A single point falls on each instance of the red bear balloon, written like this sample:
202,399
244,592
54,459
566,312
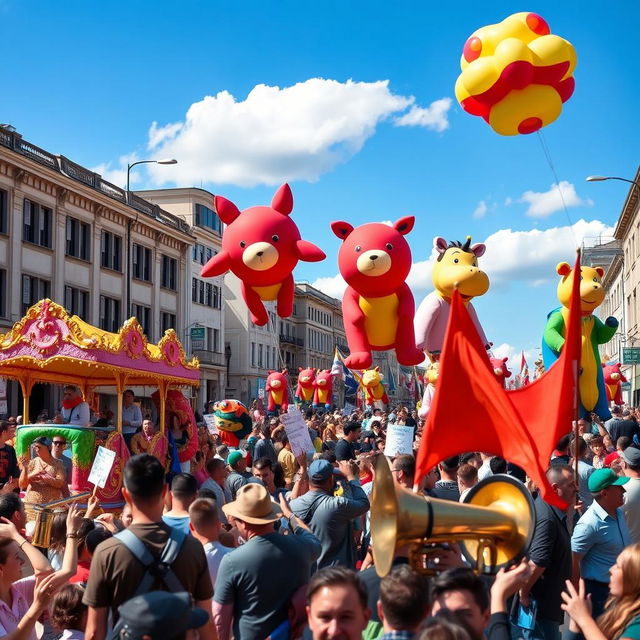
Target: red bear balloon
277,390
377,306
262,246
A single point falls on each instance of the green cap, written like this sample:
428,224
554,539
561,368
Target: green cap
233,457
602,478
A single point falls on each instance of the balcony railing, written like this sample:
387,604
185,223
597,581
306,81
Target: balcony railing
209,357
291,340
14,141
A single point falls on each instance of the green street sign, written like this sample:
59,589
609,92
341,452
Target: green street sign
197,333
631,355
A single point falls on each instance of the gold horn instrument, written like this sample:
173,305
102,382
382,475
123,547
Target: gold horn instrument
494,525
45,514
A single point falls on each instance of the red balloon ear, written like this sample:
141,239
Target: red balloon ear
283,200
341,229
226,210
404,225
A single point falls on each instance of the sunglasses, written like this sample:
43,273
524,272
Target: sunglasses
58,442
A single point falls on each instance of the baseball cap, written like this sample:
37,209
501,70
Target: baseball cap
614,455
631,455
158,614
234,456
321,470
602,478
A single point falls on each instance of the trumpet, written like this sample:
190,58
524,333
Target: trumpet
494,525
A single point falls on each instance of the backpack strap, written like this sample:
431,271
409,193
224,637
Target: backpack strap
155,568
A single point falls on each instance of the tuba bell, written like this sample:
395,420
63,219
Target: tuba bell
494,525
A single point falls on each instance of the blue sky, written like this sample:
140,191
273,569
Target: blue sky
87,80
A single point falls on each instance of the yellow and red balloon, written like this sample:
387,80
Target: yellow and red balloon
516,74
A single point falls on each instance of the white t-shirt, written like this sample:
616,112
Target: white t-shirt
485,470
631,508
215,551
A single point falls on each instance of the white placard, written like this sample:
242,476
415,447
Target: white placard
297,431
102,467
399,440
348,409
210,421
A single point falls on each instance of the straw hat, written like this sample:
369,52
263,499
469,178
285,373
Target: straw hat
254,505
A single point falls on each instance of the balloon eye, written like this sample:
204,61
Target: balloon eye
358,249
243,244
275,238
455,261
595,279
389,246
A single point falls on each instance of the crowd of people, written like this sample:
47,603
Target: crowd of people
266,542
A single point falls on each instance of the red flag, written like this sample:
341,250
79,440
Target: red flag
549,403
467,380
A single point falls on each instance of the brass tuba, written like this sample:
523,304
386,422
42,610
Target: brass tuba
494,525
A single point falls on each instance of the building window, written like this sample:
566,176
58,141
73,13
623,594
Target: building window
208,218
167,321
37,224
33,289
143,315
78,239
194,289
202,254
260,355
215,346
109,314
217,297
3,293
169,273
76,302
4,211
110,251
253,354
142,258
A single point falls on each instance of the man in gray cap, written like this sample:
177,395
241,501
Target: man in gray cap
159,615
330,517
630,459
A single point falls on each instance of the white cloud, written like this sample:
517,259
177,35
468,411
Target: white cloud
276,134
480,211
434,117
531,256
528,256
333,286
543,204
514,354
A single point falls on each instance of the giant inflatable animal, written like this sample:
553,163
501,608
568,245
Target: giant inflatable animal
277,391
499,366
377,306
593,395
305,388
233,421
323,389
430,379
373,387
262,246
455,266
613,379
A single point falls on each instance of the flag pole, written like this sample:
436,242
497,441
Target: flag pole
576,432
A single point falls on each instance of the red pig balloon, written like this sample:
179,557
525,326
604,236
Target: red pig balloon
262,245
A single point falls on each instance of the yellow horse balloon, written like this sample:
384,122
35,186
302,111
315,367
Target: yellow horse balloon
516,74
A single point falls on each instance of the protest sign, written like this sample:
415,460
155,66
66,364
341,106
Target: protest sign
297,431
102,467
399,440
210,421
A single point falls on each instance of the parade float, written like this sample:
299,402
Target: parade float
50,346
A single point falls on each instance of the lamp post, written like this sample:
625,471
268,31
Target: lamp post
637,186
132,221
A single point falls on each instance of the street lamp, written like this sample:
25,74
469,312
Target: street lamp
133,164
602,178
132,221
